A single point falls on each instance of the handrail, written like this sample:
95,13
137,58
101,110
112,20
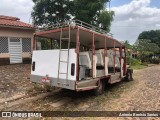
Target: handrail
78,23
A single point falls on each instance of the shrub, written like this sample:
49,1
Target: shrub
133,61
154,60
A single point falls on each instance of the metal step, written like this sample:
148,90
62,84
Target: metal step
115,81
64,50
62,73
64,61
86,88
65,38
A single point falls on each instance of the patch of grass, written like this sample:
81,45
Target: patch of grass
136,67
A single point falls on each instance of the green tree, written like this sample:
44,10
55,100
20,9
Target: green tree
94,12
128,52
127,44
145,48
153,35
48,12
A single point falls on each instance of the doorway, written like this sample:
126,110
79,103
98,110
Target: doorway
15,50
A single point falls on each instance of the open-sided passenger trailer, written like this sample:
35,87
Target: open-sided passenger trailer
87,58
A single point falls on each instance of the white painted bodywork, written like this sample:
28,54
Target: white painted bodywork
47,63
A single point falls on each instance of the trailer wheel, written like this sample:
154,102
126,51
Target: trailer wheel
100,89
129,75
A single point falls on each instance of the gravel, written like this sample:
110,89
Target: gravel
13,80
142,94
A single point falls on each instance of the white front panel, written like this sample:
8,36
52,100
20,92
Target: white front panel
47,63
15,50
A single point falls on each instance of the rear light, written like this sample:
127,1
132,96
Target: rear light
33,66
72,69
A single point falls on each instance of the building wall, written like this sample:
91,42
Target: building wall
16,32
19,33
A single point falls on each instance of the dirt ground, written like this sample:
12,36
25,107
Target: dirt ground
142,94
13,80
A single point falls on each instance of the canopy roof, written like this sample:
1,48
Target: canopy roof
85,36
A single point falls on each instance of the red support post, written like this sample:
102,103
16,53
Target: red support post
120,57
93,52
125,61
77,52
114,58
105,51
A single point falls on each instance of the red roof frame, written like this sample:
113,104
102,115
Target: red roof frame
76,27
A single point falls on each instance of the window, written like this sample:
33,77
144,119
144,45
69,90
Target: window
3,44
26,44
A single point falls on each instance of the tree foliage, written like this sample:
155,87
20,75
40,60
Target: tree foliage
47,12
145,48
153,35
93,12
127,44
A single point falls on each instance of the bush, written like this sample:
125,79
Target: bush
154,60
133,61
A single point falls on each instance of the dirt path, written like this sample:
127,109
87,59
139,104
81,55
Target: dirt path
13,80
142,94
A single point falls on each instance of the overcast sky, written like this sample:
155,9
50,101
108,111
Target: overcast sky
134,16
131,16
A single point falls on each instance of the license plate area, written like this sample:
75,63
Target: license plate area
46,80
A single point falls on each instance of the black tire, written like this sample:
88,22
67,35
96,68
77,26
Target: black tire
129,75
100,89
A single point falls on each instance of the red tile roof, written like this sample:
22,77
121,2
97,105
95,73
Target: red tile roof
13,22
